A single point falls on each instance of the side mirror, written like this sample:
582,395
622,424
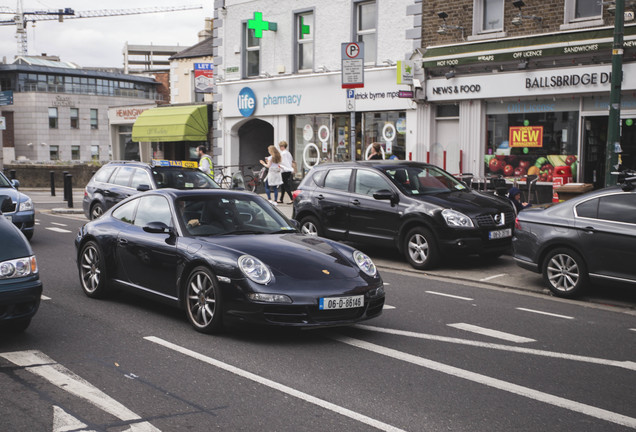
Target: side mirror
295,223
158,228
384,194
143,187
15,183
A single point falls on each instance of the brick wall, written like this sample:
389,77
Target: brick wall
460,13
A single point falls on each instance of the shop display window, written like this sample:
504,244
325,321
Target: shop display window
387,128
542,144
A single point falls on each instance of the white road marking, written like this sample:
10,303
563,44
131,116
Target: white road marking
492,333
492,277
40,364
274,385
58,224
387,307
43,297
449,295
634,329
60,230
545,313
64,422
630,365
493,382
37,223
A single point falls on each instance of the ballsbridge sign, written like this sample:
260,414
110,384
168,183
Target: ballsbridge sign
580,42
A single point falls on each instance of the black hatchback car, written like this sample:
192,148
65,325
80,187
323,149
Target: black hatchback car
20,286
420,209
118,180
588,238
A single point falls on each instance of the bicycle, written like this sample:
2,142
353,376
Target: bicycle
222,179
252,181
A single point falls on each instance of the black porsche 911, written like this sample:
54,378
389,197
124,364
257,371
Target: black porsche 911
226,256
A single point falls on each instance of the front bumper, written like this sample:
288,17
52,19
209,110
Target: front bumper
304,311
19,298
25,221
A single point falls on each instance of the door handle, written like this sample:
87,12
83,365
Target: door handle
589,230
320,197
122,241
355,202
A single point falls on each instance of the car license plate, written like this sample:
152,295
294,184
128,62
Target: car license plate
492,235
9,217
341,302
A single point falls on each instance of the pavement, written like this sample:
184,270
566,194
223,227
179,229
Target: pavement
501,273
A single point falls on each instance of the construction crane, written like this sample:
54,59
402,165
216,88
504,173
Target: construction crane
21,17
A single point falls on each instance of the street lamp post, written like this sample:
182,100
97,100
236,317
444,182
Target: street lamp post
614,126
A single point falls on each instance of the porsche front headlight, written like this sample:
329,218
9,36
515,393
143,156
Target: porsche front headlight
255,269
364,263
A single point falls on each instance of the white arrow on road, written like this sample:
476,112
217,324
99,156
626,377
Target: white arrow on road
42,365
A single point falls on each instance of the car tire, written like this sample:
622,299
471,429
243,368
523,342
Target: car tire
309,225
420,248
203,301
565,273
92,270
97,210
28,234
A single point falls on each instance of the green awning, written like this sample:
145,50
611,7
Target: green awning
174,123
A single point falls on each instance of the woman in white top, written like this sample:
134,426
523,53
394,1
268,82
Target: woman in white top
274,175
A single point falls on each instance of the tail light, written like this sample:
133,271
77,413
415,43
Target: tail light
295,194
517,223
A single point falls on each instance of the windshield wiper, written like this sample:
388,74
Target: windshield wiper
285,231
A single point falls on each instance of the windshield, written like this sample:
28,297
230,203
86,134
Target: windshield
4,182
423,180
182,178
230,214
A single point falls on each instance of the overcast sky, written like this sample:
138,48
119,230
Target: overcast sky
100,41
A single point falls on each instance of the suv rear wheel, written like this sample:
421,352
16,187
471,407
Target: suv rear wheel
420,248
96,211
310,225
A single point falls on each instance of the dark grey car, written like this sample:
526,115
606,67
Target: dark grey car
588,238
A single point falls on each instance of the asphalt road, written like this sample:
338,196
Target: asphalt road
445,355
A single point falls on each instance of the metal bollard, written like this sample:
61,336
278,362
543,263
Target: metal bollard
68,181
52,183
64,174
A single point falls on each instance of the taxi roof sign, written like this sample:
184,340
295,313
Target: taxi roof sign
175,163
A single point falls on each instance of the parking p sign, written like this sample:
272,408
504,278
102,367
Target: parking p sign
352,55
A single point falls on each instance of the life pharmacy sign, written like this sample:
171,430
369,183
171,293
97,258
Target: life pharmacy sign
524,83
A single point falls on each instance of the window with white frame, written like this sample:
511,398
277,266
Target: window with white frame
95,152
490,15
583,13
365,26
53,118
75,152
54,152
305,41
251,53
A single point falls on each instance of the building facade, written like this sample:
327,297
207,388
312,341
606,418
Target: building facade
516,88
60,111
279,76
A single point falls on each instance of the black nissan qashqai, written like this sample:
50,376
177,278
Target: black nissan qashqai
420,209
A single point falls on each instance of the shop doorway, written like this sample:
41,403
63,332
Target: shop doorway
445,150
254,138
593,152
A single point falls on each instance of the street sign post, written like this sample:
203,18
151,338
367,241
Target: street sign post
352,55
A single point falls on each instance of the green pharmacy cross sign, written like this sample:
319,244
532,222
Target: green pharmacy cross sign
258,25
304,29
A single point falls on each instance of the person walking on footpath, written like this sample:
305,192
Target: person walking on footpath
205,161
274,173
287,166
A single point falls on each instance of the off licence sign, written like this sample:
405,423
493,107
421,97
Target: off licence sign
525,136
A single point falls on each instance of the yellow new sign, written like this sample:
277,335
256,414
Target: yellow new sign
525,136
